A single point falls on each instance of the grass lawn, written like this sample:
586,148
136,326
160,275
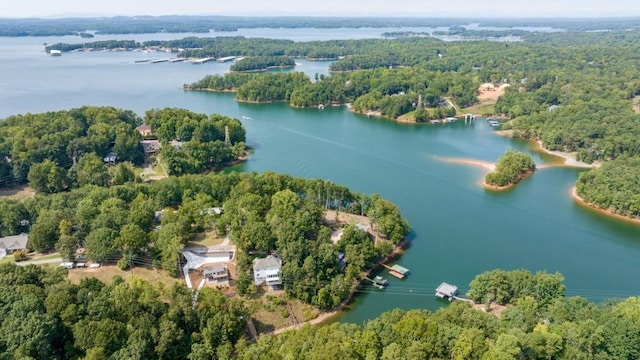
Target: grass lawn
106,273
7,260
19,192
482,109
207,238
269,311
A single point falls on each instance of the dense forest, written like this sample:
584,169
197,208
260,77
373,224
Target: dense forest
57,151
201,141
393,92
613,186
51,318
511,167
262,213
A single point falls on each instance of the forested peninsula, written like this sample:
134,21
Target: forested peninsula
153,225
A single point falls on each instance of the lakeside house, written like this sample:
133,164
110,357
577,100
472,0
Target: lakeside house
267,271
10,244
150,147
216,274
110,158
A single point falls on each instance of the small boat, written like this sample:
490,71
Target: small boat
379,281
320,106
379,286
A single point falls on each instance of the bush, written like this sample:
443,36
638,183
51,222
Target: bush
284,313
123,263
20,255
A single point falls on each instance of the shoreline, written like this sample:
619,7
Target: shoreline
584,203
568,159
329,315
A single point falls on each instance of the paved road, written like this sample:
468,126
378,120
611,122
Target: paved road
40,262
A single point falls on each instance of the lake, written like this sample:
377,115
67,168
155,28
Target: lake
459,229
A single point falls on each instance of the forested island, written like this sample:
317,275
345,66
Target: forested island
262,63
52,318
510,169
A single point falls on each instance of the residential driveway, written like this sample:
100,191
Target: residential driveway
40,262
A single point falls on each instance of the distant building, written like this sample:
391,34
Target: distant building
144,130
110,158
267,271
151,146
14,243
55,52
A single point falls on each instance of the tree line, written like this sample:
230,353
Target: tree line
260,63
48,317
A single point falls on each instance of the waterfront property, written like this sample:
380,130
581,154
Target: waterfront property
217,274
267,271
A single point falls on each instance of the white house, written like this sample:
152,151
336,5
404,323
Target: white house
267,270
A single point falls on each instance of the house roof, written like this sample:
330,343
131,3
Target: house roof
266,263
142,128
14,242
447,289
214,269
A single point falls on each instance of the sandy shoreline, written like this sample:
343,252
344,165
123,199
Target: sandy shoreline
607,212
471,162
568,159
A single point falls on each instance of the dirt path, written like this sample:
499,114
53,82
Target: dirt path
321,318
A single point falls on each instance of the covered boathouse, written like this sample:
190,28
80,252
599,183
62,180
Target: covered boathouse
447,291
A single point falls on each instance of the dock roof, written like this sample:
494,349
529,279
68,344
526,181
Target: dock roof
400,269
446,289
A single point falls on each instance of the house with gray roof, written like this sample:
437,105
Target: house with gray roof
267,271
12,243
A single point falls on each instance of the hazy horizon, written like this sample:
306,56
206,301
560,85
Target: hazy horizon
327,8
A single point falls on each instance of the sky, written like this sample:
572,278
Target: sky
408,8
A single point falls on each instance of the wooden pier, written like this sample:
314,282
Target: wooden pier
396,270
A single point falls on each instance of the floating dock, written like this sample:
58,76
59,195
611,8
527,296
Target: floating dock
225,59
396,270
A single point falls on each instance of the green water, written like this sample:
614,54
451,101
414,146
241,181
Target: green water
459,229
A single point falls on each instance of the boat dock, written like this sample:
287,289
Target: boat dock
378,282
202,61
396,270
446,291
225,59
